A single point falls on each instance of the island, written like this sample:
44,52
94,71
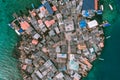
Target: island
60,39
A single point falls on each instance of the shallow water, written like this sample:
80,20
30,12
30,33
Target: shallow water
8,38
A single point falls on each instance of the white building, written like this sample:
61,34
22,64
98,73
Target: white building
92,24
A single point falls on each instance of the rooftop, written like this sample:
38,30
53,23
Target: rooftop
88,5
59,41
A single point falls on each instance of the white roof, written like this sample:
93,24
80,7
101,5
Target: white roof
59,15
60,75
41,15
48,63
57,49
28,61
92,24
72,57
91,50
39,74
57,30
62,55
51,33
77,76
44,29
36,36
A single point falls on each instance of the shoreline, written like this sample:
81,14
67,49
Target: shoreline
102,67
47,52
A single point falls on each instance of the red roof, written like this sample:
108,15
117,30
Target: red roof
34,41
52,22
49,23
24,67
96,4
54,8
24,25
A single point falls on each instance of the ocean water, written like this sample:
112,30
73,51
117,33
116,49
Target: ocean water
108,69
8,38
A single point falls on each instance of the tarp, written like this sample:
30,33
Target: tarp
83,24
20,30
106,25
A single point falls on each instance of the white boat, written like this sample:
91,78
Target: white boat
108,37
110,6
101,7
101,59
17,32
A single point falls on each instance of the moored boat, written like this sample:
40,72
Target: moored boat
17,32
101,7
101,59
108,37
110,6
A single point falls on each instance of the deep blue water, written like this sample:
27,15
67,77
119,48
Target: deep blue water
109,69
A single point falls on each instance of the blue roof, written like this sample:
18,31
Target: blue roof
99,12
20,30
88,5
83,24
48,7
106,25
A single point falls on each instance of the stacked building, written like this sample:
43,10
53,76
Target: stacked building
60,40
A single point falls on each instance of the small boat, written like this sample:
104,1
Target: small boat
17,32
101,7
106,24
10,26
32,5
108,37
101,59
110,6
99,12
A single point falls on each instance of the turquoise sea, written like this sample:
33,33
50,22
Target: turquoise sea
108,69
8,37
